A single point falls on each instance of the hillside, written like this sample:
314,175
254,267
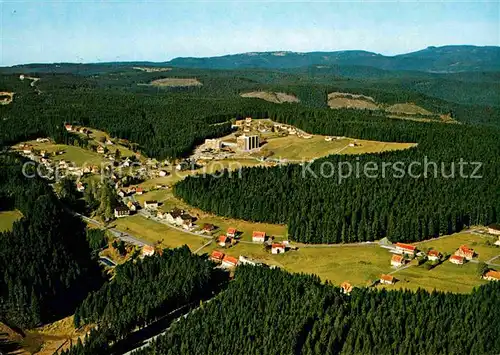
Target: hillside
447,59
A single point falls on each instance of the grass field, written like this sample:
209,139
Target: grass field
445,277
7,219
295,148
450,244
154,232
175,82
276,97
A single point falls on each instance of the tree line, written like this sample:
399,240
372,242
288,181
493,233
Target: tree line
272,312
318,207
46,267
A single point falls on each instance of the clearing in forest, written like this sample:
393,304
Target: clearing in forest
346,100
7,219
275,97
6,97
176,82
152,69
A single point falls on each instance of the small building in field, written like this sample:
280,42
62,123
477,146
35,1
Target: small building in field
139,191
465,251
456,259
231,232
498,242
151,205
208,228
217,256
224,241
68,127
131,190
131,206
100,149
345,287
148,250
258,237
492,275
162,173
404,248
433,255
494,229
397,260
121,211
387,279
185,221
277,248
229,262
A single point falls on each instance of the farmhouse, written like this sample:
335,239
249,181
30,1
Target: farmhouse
259,237
397,260
231,232
387,279
345,288
494,229
224,241
139,190
208,227
173,215
465,251
162,173
131,190
148,250
229,262
68,127
151,205
403,248
277,248
100,149
121,211
433,255
492,275
131,206
217,256
185,221
456,259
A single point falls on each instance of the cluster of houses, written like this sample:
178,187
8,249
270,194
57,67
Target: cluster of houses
77,129
230,262
463,253
177,217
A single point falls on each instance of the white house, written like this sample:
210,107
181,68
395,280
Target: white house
151,205
277,248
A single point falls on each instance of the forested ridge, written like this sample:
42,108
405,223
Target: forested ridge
319,209
169,122
272,312
45,263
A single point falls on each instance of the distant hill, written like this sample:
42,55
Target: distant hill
447,59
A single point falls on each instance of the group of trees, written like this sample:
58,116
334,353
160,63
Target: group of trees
319,206
46,267
141,292
272,312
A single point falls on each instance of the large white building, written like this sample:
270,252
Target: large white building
247,142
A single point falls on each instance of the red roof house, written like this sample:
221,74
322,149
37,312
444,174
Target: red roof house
397,260
229,261
492,275
457,259
217,256
386,279
224,240
465,252
231,232
259,237
405,248
433,255
345,287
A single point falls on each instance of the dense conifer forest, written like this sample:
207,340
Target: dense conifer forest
143,291
45,264
324,208
272,312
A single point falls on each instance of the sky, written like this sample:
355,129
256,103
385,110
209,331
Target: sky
40,31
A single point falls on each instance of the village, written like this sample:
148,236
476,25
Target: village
143,188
